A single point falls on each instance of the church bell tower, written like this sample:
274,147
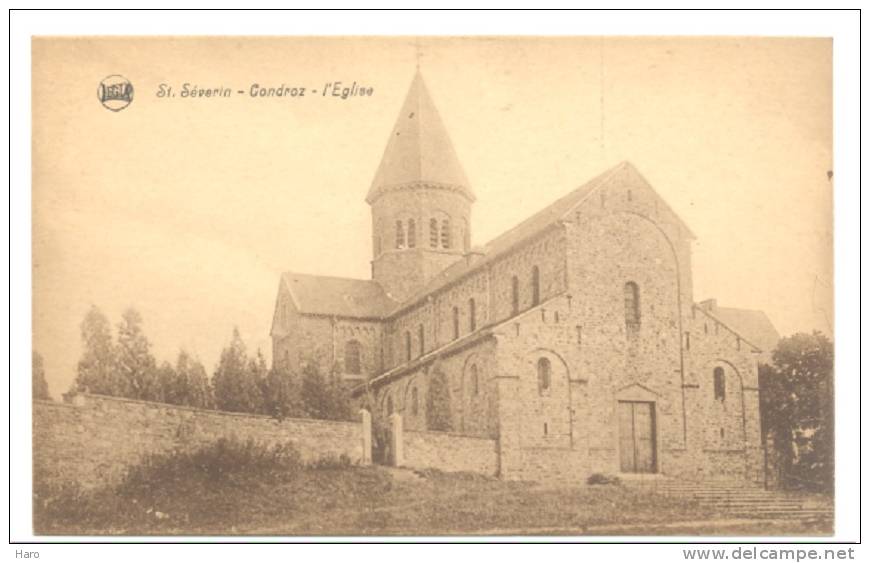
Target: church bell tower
420,200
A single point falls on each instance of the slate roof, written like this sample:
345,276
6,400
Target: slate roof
419,150
366,299
344,297
519,233
751,324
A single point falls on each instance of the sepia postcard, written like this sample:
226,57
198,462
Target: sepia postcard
432,286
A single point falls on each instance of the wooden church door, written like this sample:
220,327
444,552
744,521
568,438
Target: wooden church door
637,437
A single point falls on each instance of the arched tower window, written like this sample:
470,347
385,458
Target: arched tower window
472,315
536,286
352,357
407,346
412,233
475,384
455,323
433,233
414,401
544,370
421,339
632,306
719,384
389,405
400,235
515,295
445,233
466,235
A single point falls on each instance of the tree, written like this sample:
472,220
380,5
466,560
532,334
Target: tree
380,428
191,385
327,400
167,384
186,383
796,395
257,375
136,366
40,385
234,387
340,406
438,406
96,372
282,394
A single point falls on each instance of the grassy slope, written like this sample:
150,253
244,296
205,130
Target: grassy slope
367,501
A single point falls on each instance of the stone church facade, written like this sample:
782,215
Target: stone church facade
573,339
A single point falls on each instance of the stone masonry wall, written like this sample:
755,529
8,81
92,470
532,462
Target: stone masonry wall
450,452
403,271
369,336
302,339
624,234
730,438
472,411
547,252
94,441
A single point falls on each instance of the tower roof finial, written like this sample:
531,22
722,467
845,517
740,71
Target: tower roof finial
417,51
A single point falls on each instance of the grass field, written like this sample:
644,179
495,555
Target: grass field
336,499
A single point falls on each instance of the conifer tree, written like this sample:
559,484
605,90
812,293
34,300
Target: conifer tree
322,399
234,383
282,394
193,388
256,377
438,397
96,372
167,384
136,366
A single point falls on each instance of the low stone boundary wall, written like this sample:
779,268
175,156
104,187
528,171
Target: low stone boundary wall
94,439
446,451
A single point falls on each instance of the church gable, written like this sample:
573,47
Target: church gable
623,188
285,312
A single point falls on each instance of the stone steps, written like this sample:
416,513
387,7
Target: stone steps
786,514
739,499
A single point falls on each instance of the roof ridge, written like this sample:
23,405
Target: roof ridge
461,268
728,326
601,177
291,272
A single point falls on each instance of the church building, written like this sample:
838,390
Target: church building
572,339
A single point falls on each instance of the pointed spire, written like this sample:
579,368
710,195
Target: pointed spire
419,150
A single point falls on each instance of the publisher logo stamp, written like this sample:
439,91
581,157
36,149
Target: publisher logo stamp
115,92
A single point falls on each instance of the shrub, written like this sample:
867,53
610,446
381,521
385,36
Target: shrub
330,461
225,459
434,473
602,479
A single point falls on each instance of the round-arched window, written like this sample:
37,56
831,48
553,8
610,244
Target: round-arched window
719,384
544,372
352,357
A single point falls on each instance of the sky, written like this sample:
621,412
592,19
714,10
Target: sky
188,209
